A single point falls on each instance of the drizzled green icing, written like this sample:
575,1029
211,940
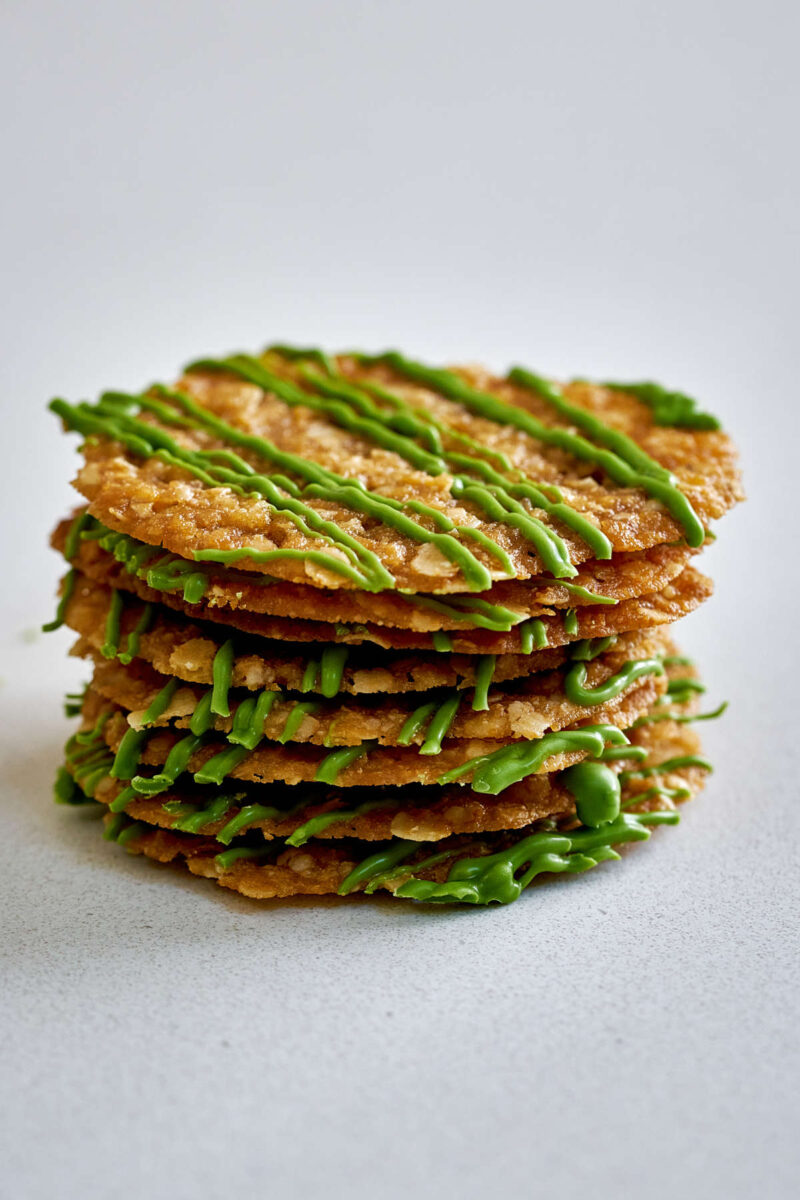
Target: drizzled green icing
316,825
623,459
327,671
66,595
494,488
294,720
442,642
492,773
615,685
571,622
591,648
435,718
681,718
503,876
668,408
110,647
222,675
160,703
670,764
141,627
596,791
328,770
532,636
484,673
249,718
472,609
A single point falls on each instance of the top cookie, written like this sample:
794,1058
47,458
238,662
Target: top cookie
383,474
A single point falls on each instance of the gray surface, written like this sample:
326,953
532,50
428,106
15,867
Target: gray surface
599,188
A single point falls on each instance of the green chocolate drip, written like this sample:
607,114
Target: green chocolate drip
316,825
476,612
670,764
294,720
571,622
110,647
244,818
176,763
615,685
202,719
658,793
352,405
222,674
668,408
383,861
532,636
416,722
188,818
440,724
229,858
161,702
442,642
127,756
332,665
221,765
330,767
596,791
681,718
249,718
141,627
591,648
484,674
66,595
502,877
493,773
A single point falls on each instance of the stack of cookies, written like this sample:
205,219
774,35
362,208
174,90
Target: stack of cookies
358,623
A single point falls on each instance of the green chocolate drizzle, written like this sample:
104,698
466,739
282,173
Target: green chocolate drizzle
668,408
493,773
615,685
484,673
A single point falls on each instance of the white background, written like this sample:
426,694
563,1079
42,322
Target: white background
607,189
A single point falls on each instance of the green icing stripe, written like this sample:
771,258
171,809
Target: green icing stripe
484,673
161,702
221,765
294,720
596,791
670,764
330,767
249,718
442,642
141,627
316,825
440,724
493,773
591,648
571,622
681,718
668,408
412,421
222,674
502,877
615,685
623,459
532,636
66,595
110,647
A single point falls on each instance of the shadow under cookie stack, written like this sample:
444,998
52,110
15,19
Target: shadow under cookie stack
359,624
